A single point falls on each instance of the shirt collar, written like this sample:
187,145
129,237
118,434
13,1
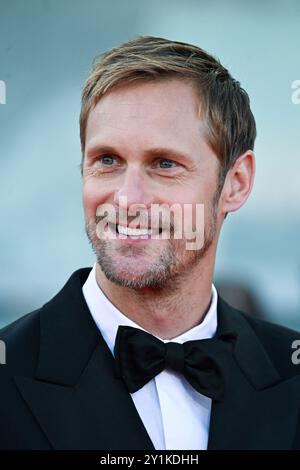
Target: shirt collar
108,317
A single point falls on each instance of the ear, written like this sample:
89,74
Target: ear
238,183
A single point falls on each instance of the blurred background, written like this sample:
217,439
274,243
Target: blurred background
46,50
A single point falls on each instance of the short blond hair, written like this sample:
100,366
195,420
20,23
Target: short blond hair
225,106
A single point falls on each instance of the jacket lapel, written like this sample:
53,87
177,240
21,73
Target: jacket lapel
75,396
260,408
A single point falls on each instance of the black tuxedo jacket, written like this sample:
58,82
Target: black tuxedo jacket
59,390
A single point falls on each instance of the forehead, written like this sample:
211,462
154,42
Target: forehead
147,112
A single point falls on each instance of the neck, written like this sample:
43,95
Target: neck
167,312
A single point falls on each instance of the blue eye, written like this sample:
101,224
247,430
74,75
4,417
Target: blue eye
164,163
107,160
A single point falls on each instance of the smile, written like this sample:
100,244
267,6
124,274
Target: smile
136,232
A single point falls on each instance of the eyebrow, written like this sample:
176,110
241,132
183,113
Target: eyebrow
153,152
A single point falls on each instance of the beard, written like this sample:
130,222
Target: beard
159,264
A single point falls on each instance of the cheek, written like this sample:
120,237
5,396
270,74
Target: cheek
198,212
92,196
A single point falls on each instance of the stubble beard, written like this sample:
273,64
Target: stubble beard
171,264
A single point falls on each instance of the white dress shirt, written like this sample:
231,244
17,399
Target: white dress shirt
174,414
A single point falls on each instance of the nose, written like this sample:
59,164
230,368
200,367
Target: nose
134,191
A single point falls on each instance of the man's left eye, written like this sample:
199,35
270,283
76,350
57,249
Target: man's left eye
165,163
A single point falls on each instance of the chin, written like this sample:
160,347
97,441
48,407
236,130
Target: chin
136,278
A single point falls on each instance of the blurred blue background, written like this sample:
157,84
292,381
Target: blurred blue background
46,50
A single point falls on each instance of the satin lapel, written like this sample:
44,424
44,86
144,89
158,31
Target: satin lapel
260,409
98,413
76,397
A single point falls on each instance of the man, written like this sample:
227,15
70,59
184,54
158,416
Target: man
140,352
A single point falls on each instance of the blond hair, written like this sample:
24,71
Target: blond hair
225,107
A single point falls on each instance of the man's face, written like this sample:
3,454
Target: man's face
145,145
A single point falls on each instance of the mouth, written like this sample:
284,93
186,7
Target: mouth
135,232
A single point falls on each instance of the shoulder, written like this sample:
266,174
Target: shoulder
281,344
22,338
21,342
270,330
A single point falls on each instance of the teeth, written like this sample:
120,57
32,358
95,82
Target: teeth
136,231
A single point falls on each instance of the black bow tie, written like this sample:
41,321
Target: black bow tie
139,357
